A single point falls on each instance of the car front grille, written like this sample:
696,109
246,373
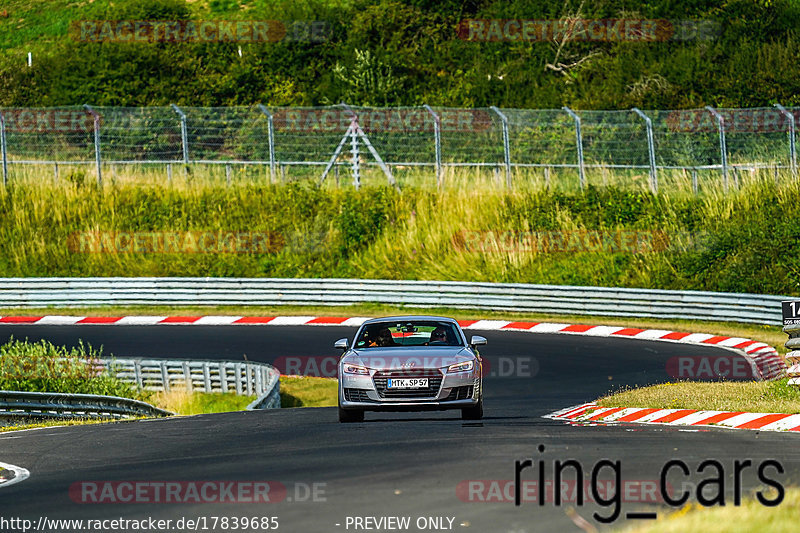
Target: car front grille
460,393
381,379
356,395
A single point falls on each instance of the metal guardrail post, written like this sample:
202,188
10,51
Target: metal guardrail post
506,145
137,372
792,152
237,373
437,143
579,143
271,141
184,136
3,147
723,147
206,377
165,376
223,377
651,149
97,158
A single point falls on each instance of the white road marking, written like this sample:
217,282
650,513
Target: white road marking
20,474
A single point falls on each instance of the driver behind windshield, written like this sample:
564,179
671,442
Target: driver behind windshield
383,339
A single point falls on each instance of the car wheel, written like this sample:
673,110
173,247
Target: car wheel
350,415
473,413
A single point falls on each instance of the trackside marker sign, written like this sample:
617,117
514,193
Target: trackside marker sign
791,312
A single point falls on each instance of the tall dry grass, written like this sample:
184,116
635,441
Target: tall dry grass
750,241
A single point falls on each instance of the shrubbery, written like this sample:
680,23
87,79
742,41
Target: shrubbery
743,241
44,367
390,52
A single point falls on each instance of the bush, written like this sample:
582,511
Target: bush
44,367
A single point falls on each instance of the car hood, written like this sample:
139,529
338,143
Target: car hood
409,358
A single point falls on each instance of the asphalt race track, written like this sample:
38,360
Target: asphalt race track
416,465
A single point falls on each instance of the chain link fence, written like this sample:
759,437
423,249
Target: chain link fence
645,148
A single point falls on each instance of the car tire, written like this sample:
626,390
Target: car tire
350,415
473,413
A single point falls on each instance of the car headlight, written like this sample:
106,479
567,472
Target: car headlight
356,369
466,366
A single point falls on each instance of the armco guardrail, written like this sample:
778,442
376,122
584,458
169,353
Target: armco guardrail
37,405
244,378
551,299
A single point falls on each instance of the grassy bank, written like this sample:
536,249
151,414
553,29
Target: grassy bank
755,397
750,516
299,391
612,236
182,402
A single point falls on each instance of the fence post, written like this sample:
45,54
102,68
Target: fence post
271,141
579,143
506,145
184,137
792,153
437,143
3,147
355,164
97,158
723,148
651,149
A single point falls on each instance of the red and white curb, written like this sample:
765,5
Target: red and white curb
767,360
592,413
19,474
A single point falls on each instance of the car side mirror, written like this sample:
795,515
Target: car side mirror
477,340
342,344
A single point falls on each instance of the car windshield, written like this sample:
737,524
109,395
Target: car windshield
408,333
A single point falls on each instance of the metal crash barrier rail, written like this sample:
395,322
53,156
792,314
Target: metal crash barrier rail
528,298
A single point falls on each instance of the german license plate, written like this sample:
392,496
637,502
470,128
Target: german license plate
408,383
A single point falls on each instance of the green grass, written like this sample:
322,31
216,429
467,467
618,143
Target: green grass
747,243
59,423
755,397
308,392
750,516
182,402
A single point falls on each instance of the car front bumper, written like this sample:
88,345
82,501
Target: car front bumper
456,391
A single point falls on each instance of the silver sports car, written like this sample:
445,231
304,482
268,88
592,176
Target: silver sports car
410,363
